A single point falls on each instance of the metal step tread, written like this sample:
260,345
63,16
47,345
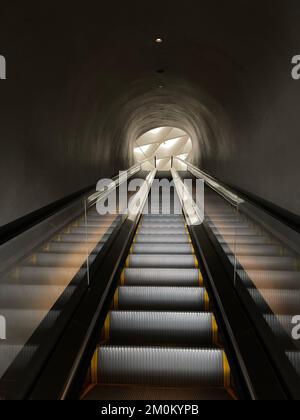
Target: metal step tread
163,328
162,299
146,393
162,261
162,366
191,277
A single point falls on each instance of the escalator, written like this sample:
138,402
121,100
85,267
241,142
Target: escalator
266,267
43,276
160,340
29,292
176,310
263,260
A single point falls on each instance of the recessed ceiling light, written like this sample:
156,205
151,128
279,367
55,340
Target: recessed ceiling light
159,41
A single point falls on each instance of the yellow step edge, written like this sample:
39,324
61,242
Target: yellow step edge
116,299
94,367
107,328
227,373
196,262
201,282
215,331
188,234
127,264
46,247
33,259
206,301
122,279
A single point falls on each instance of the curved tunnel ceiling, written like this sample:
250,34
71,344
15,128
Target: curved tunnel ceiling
84,82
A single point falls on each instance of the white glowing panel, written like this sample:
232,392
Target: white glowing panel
163,143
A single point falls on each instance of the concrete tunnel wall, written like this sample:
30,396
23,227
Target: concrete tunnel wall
82,84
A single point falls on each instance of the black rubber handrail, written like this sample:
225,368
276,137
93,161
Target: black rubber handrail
21,225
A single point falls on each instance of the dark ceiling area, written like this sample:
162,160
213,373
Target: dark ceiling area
84,80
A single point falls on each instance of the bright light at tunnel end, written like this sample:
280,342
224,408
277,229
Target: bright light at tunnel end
163,144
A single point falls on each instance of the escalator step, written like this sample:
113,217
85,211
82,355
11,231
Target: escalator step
32,297
162,261
254,250
233,231
107,392
214,213
270,279
21,324
45,276
147,225
163,217
69,248
163,328
161,225
163,231
163,277
280,302
162,249
73,238
267,263
225,219
230,225
162,366
94,225
58,260
173,239
98,221
9,352
108,217
90,231
282,326
242,240
162,299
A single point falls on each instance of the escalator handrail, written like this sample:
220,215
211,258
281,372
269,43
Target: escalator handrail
226,193
286,219
19,226
116,181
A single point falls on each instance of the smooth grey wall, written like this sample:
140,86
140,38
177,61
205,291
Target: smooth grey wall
82,83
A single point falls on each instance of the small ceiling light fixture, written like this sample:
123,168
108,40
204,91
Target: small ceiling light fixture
159,41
